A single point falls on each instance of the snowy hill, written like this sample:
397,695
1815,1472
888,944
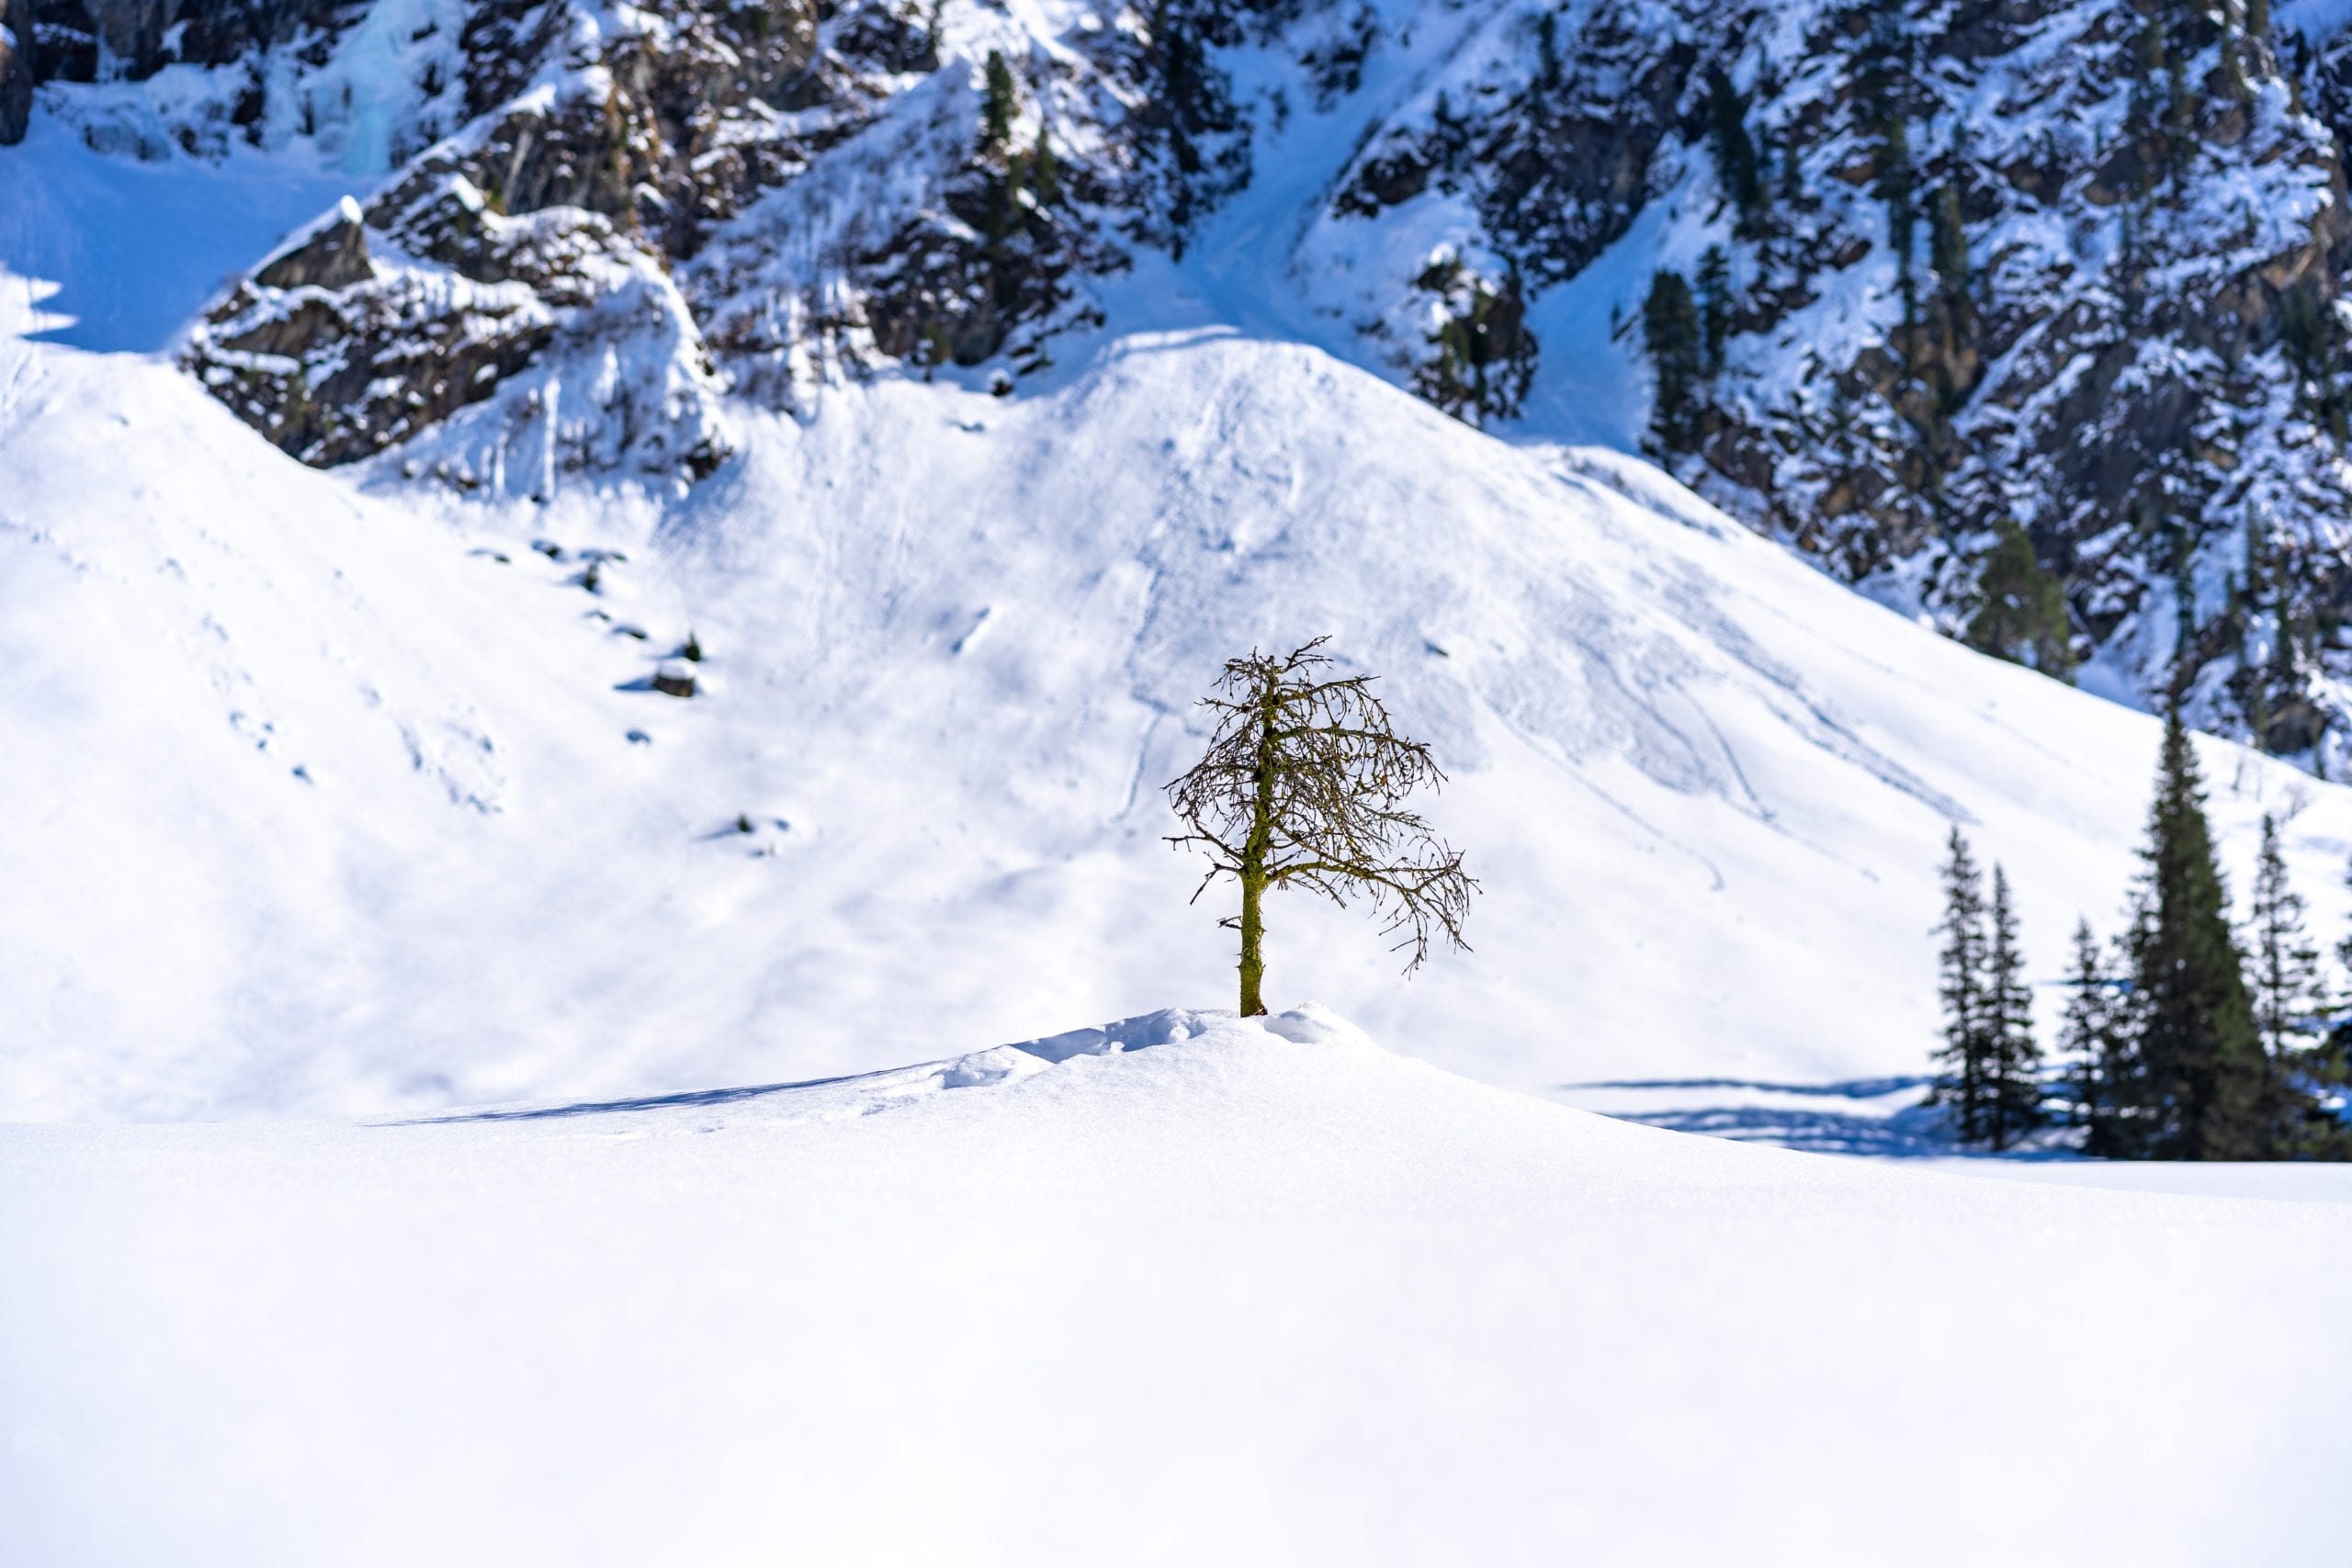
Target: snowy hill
329,803
1263,1295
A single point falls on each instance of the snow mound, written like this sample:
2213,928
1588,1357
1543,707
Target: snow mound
1312,1024
862,1094
1377,1313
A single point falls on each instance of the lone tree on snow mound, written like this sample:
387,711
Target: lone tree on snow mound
1306,781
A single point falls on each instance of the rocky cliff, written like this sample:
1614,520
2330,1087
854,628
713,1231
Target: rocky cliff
2023,315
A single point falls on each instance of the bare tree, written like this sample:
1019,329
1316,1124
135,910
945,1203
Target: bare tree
1305,782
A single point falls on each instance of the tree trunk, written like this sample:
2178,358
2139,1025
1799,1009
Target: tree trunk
1254,852
1253,926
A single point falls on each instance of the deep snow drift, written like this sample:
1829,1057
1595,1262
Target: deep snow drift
1238,1298
322,805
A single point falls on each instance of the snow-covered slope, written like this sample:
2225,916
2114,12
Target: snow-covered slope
1263,1295
319,803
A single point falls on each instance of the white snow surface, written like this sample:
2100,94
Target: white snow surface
1259,1293
323,800
318,805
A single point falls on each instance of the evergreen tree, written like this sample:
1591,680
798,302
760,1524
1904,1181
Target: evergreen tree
1547,50
997,106
2021,608
2338,1053
2180,123
1188,120
2263,598
2202,1089
1670,327
2089,1039
2130,1129
1947,255
2013,1062
2289,993
1045,172
1964,1080
1714,308
1486,357
1898,187
2309,333
1735,149
2140,111
2180,557
2290,1006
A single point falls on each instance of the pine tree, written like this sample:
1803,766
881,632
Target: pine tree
2021,612
2088,1040
997,106
1045,172
1964,1059
2289,993
2335,1064
2291,1005
2013,1062
1898,187
2203,1088
2180,123
1947,255
2309,333
1670,326
1735,149
1714,308
2130,1129
2260,601
1486,357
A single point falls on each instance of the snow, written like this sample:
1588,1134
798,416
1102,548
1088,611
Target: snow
332,810
1236,1298
330,797
116,254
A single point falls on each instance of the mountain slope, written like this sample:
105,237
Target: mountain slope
330,806
1263,1294
2026,317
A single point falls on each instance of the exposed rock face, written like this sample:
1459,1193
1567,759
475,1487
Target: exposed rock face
522,310
2072,265
681,196
2034,301
84,39
331,255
